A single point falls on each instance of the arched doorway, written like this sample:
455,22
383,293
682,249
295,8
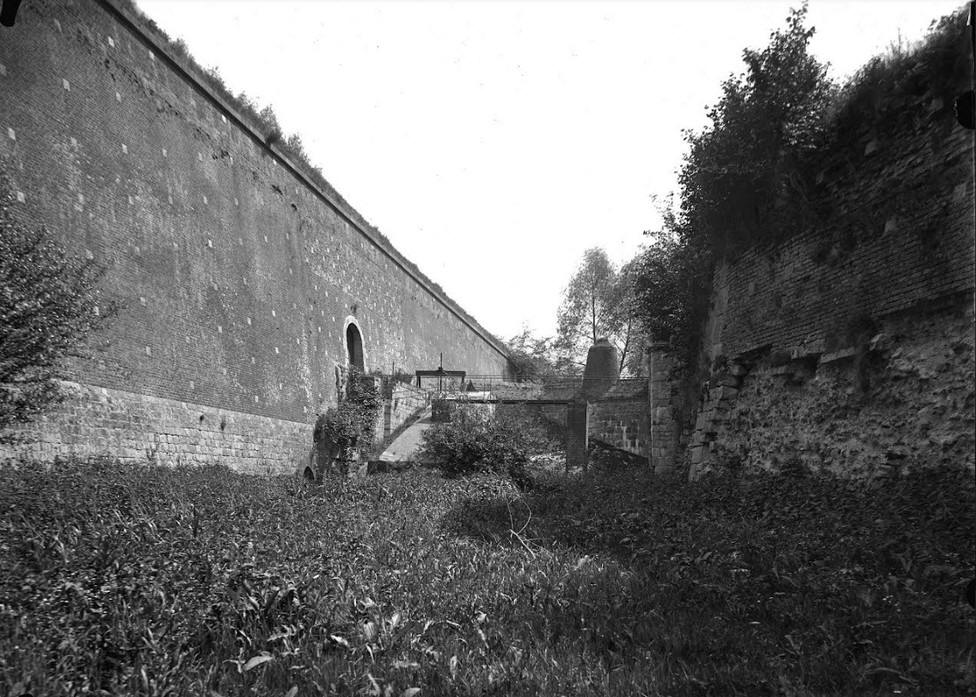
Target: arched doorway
354,347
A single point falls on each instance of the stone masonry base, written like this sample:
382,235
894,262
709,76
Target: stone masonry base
95,421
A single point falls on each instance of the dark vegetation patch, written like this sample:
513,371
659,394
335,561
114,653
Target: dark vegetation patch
141,580
503,442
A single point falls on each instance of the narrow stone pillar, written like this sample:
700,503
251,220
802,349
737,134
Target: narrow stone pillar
600,374
660,394
602,370
576,434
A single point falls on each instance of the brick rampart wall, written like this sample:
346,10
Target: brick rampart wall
900,237
238,276
849,347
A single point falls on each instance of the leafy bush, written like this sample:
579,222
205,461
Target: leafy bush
671,285
536,435
364,402
337,431
461,445
744,180
50,304
744,175
476,442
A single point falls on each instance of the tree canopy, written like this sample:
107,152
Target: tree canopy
742,176
742,181
598,303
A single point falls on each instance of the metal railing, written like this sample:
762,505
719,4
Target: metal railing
496,388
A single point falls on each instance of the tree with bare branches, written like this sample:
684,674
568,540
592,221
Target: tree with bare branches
599,302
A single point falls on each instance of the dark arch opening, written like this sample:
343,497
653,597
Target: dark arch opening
354,345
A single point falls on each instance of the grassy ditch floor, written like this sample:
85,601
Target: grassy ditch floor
129,580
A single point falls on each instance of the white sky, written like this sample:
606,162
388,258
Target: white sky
493,142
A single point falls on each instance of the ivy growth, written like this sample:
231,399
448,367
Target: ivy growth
347,430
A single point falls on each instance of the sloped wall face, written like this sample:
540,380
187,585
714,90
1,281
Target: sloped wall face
237,279
850,347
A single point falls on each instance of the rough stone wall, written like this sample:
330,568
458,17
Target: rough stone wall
662,390
850,346
902,401
237,275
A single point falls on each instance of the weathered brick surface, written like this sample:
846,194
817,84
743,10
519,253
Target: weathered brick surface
237,275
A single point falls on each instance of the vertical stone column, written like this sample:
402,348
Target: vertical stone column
660,394
599,375
387,395
577,429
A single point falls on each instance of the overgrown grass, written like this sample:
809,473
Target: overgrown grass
156,581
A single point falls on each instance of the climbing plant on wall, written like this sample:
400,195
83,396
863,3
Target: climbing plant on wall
348,429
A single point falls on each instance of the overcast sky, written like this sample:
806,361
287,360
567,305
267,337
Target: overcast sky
493,142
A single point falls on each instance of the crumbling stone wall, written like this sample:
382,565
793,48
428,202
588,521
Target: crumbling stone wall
237,273
849,347
904,399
